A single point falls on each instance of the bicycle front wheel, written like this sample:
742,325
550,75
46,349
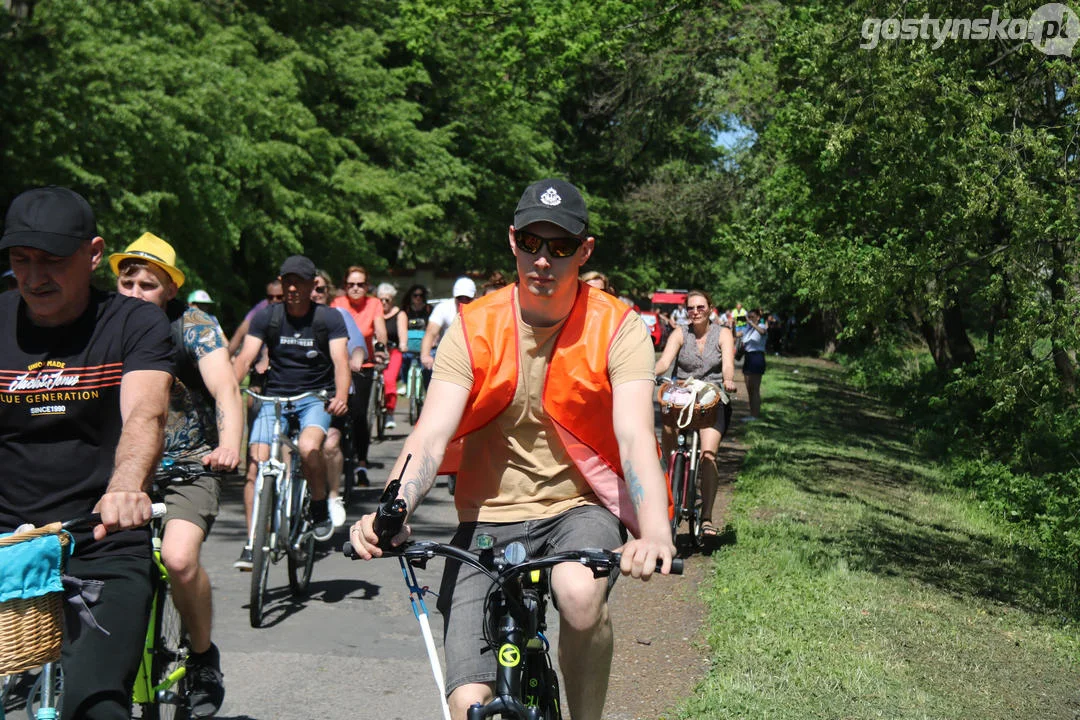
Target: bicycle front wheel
301,555
380,409
692,503
169,653
260,550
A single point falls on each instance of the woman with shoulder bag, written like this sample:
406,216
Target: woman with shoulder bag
704,351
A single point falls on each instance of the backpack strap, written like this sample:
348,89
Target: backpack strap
273,328
319,326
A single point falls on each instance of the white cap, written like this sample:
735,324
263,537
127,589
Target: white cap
464,286
199,296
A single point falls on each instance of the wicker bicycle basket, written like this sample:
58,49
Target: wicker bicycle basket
673,397
31,629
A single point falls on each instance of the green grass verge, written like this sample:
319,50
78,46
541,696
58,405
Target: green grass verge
857,588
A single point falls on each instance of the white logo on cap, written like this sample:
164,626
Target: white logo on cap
550,197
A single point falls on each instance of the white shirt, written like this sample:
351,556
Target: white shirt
443,314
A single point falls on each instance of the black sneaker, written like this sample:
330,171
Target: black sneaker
206,683
244,561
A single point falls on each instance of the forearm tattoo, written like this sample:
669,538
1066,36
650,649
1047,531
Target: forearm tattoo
415,488
220,416
633,484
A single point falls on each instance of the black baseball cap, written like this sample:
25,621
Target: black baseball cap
54,219
298,265
553,201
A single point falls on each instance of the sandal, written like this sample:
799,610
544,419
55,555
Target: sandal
709,530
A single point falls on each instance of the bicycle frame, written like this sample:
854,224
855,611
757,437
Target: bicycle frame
145,691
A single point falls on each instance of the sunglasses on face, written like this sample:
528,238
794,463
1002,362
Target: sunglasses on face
275,298
559,247
355,285
418,294
320,289
697,308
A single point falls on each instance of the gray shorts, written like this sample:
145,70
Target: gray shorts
195,501
464,590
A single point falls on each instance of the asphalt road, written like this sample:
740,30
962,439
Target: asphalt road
351,648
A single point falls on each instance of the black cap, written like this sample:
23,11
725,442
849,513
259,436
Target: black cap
54,219
553,201
298,265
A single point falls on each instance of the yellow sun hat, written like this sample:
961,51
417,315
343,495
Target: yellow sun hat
153,249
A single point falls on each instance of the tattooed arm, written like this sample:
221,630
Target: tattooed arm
632,412
427,445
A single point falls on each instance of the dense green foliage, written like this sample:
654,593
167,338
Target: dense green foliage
904,194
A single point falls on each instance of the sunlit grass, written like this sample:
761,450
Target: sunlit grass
858,588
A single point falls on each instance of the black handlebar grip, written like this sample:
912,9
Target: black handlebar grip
348,551
676,566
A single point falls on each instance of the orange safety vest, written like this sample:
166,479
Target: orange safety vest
577,390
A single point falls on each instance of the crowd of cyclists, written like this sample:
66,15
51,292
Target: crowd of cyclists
120,380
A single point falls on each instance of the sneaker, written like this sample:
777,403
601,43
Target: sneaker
337,511
244,562
361,477
401,389
323,530
390,424
206,683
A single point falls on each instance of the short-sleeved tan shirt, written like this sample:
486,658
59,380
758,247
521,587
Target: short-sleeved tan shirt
515,468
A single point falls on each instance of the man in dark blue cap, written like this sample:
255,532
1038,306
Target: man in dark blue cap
84,386
308,347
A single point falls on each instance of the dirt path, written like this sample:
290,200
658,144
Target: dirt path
660,643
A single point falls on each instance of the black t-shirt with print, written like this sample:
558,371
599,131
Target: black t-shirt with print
296,363
60,410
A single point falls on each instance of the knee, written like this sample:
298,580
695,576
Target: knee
310,450
465,696
182,563
583,606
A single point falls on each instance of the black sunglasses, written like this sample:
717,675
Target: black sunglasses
319,289
559,247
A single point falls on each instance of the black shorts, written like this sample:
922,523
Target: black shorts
754,364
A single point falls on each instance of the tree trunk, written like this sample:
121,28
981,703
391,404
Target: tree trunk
960,347
933,332
830,326
1066,368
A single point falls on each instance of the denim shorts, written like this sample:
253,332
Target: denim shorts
310,410
464,590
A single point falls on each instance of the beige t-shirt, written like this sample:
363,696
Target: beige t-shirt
515,467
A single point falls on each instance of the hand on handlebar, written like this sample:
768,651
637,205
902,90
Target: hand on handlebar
121,510
639,557
729,386
365,541
222,459
338,405
427,361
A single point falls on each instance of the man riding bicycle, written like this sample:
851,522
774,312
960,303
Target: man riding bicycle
205,425
84,389
550,473
307,347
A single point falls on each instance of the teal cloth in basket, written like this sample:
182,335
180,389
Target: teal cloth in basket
31,568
